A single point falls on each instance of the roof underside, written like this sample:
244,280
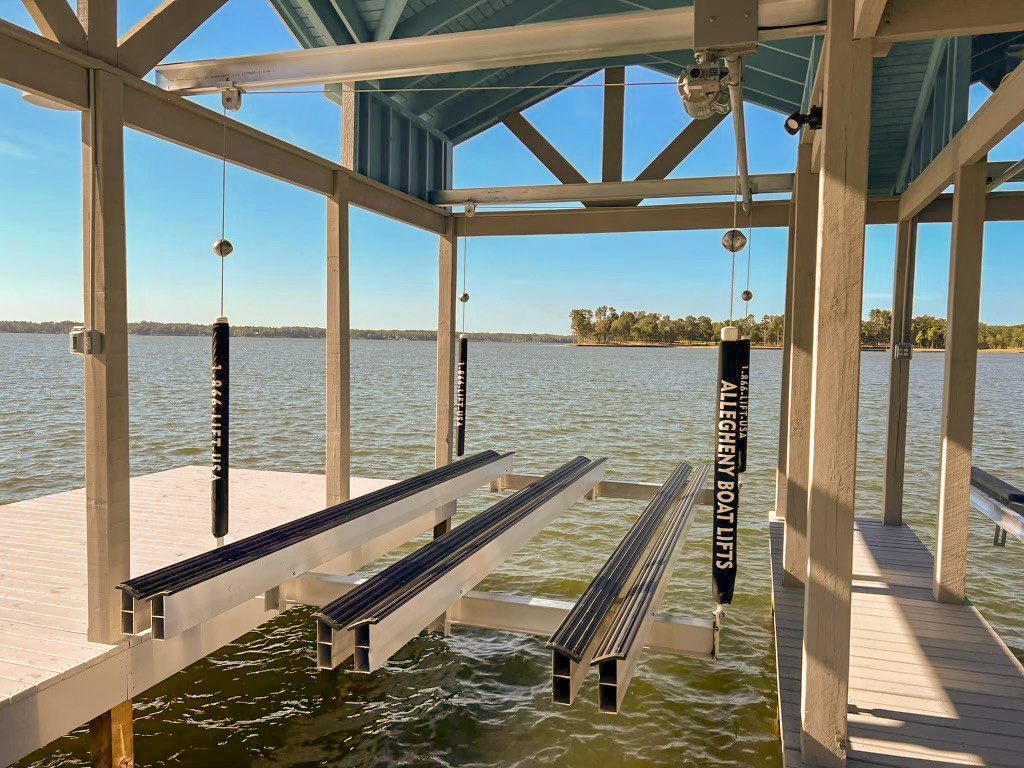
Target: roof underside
778,77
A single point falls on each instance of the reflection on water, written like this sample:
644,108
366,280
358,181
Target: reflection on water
481,698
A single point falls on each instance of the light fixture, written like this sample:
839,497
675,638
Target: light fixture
795,121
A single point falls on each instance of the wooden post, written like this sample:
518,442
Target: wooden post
798,441
339,384
899,371
787,341
445,408
110,738
950,577
614,105
834,397
106,373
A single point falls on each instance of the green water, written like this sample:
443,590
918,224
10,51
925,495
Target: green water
482,698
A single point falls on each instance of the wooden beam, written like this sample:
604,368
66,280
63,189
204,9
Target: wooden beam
950,579
445,393
787,343
107,505
542,149
339,366
389,17
867,15
899,372
57,22
835,390
111,739
679,148
161,31
916,20
614,113
352,19
99,20
652,218
994,121
805,254
41,67
434,17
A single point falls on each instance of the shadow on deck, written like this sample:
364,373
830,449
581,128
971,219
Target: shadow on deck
931,684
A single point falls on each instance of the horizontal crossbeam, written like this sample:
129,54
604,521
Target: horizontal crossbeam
517,46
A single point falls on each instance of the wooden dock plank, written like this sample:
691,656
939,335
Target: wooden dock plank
931,684
43,563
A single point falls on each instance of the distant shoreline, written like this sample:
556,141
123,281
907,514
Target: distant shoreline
150,328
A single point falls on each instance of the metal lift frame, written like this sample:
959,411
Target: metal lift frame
204,586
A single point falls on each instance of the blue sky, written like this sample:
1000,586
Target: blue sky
276,276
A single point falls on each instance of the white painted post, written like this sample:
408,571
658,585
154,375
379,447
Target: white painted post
899,372
805,256
834,397
445,404
787,343
106,373
950,578
339,384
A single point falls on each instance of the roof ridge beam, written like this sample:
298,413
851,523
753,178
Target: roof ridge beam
161,31
389,19
995,120
57,21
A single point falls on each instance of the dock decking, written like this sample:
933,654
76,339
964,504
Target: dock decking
931,684
51,678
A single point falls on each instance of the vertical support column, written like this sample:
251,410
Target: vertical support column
834,396
106,373
614,107
950,578
899,372
787,342
445,407
339,383
110,738
798,442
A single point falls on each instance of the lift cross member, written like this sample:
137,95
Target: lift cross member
184,594
377,618
574,642
1000,502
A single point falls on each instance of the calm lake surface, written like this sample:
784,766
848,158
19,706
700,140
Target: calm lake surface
482,698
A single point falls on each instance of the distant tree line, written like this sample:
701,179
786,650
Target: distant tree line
606,325
150,328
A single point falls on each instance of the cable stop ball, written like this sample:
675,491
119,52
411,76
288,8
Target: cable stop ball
223,248
734,241
463,297
747,295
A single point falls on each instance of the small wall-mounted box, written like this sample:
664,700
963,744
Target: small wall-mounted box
85,342
903,351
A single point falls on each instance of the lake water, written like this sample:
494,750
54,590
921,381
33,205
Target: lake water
482,698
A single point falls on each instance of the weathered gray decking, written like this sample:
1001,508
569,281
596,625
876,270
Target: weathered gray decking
51,678
931,684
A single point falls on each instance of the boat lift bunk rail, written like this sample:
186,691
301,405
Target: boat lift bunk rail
617,655
184,594
574,642
381,615
1000,502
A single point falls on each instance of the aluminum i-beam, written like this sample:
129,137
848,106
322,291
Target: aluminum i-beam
177,610
574,642
372,642
539,43
610,489
618,653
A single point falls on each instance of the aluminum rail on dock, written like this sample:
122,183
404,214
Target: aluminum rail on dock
617,654
183,595
574,641
999,501
380,616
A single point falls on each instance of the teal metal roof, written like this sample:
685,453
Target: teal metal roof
919,88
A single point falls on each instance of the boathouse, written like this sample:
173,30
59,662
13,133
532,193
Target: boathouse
881,658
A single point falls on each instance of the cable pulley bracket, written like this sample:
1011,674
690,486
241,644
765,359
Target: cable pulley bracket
231,98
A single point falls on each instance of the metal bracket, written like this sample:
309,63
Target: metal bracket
725,26
902,351
999,539
470,209
231,98
85,342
